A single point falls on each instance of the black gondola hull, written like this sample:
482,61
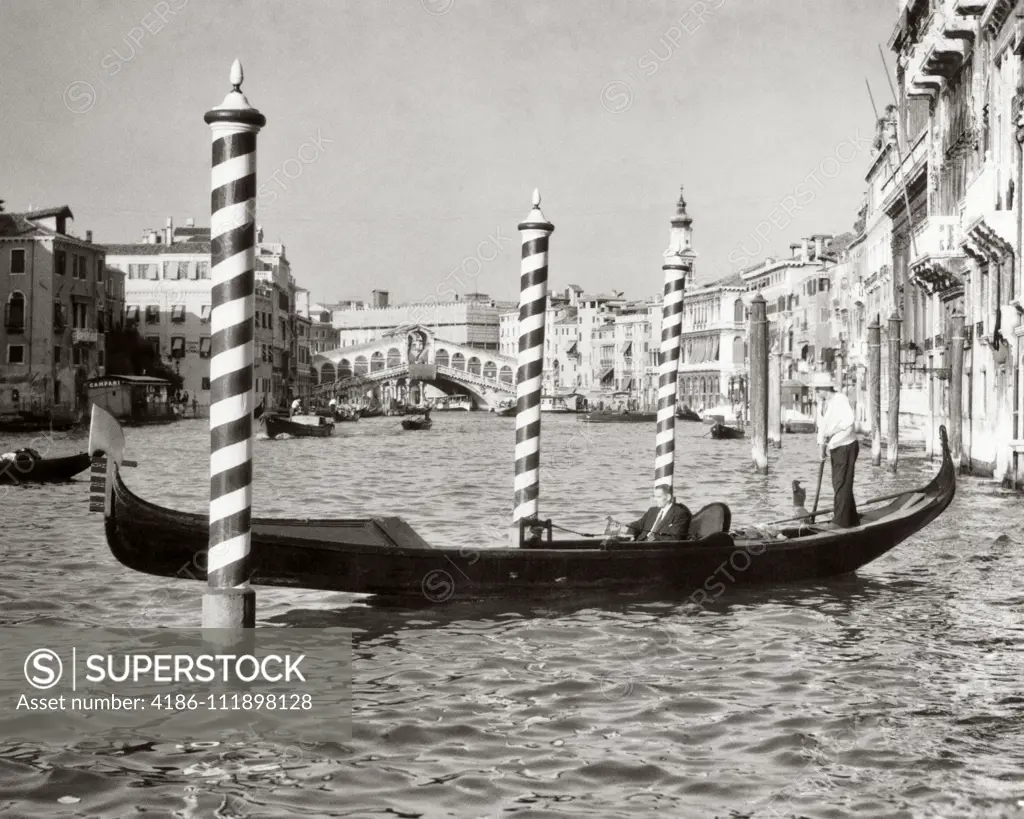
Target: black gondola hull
279,426
722,432
385,556
43,470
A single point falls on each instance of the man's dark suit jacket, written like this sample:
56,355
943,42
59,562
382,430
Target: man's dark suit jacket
675,526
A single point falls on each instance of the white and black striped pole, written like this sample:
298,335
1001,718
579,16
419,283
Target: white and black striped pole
229,602
533,300
678,265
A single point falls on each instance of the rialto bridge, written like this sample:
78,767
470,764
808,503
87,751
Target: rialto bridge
391,367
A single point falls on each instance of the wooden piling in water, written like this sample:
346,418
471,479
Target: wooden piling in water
892,443
229,602
759,383
956,388
775,396
533,301
875,388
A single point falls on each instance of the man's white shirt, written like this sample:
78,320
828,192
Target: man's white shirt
837,423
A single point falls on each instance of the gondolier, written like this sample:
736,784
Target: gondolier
837,438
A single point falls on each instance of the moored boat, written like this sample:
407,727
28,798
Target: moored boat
373,411
276,425
721,431
28,466
385,556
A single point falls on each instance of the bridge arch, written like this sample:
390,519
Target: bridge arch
441,358
490,370
328,373
394,358
376,361
458,362
344,369
362,367
473,365
505,374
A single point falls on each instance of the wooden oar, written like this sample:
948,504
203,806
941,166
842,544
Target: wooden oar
817,492
868,502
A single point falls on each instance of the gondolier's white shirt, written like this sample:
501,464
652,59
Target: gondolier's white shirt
837,423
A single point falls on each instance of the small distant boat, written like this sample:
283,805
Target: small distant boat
619,417
796,422
720,431
684,413
374,411
448,403
28,466
418,421
276,425
570,403
345,414
506,412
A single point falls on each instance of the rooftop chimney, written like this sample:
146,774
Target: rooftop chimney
259,233
819,246
190,222
380,298
154,237
169,231
794,250
88,236
805,254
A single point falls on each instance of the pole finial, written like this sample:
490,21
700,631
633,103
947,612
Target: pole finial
536,219
236,76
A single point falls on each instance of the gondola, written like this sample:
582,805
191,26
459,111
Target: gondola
506,412
799,427
28,466
686,414
376,411
417,422
721,432
385,556
276,425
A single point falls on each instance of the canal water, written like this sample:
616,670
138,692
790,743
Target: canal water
893,693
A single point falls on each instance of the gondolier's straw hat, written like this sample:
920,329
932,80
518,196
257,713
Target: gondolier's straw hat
822,381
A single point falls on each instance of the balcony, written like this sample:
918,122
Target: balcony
83,335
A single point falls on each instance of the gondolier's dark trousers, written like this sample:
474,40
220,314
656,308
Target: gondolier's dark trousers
844,461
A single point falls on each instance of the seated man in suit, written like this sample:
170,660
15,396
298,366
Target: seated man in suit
666,520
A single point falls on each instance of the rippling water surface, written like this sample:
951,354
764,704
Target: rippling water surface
897,692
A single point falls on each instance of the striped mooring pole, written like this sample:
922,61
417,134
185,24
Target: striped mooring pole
229,602
678,264
533,302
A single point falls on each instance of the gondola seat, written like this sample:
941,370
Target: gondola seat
715,517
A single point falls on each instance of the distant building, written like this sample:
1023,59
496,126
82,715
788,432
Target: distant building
168,294
57,295
472,321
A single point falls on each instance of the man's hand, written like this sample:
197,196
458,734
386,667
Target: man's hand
824,451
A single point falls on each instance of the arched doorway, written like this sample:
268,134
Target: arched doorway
441,358
491,370
394,358
344,369
505,375
362,367
377,362
458,362
328,373
473,366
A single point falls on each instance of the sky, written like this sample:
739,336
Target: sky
404,138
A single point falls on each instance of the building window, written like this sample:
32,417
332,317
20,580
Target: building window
178,313
56,355
131,314
79,315
101,358
203,272
204,313
80,356
60,262
15,353
17,261
154,342
59,317
204,347
14,313
100,262
177,346
206,383
152,314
